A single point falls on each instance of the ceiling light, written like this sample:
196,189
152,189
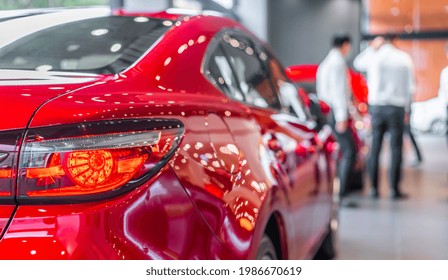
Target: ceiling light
99,32
115,47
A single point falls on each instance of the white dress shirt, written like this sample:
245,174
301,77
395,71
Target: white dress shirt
443,88
332,84
390,75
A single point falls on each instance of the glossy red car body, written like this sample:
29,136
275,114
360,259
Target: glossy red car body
231,180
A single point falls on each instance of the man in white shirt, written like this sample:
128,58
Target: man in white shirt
391,85
443,88
332,87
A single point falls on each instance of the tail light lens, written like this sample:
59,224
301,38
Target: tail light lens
8,156
95,160
5,181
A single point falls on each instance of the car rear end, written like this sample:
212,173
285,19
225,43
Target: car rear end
90,179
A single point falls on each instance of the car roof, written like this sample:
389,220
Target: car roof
189,34
169,14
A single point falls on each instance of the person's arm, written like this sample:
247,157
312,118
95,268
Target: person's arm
338,81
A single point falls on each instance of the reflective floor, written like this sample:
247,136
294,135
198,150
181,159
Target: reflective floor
416,228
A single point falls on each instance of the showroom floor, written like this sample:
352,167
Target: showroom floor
416,228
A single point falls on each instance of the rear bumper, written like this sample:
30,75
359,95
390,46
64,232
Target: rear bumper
156,221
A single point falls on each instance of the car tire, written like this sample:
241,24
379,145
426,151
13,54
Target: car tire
439,127
266,250
327,249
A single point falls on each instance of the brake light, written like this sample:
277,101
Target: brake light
9,141
87,164
5,174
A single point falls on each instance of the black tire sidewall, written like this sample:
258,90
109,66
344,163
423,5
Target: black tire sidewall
266,249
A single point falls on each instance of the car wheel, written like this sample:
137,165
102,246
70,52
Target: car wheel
327,249
266,250
439,127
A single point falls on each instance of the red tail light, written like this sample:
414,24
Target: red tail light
8,156
94,160
5,175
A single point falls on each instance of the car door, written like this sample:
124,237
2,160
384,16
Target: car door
321,156
289,140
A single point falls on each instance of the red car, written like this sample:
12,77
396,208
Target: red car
156,137
304,76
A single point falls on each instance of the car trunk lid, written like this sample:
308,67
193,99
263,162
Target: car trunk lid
22,92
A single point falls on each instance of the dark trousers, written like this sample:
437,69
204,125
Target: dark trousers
347,158
387,119
408,130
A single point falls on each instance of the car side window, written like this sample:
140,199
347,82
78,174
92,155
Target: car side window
250,74
291,100
220,72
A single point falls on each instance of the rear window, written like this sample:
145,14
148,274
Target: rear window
97,45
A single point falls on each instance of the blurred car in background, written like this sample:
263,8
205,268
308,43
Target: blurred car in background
429,116
304,76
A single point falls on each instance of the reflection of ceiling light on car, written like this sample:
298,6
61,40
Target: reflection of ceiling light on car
44,67
141,19
234,43
99,32
73,47
19,61
115,47
167,23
